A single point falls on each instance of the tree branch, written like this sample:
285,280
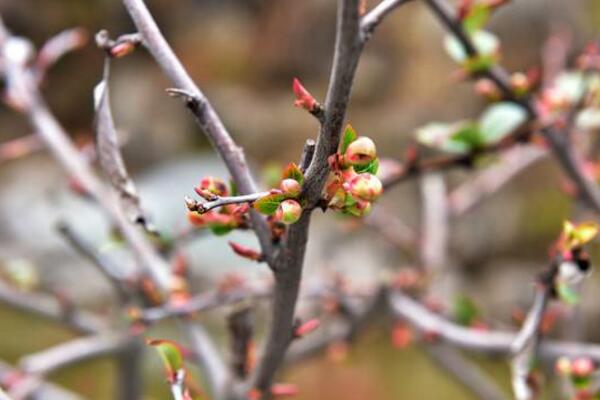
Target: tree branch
199,105
373,18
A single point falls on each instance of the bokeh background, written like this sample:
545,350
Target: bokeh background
244,55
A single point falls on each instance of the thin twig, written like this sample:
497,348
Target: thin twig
373,18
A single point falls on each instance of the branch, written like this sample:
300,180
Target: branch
45,390
470,194
223,201
373,18
199,105
37,365
525,345
48,307
490,342
559,143
288,265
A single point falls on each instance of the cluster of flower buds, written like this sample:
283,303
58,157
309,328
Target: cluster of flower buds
219,221
573,263
283,204
352,184
581,374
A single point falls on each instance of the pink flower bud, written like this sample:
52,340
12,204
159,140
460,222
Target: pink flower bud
288,212
246,252
290,187
361,209
284,390
563,366
122,49
364,187
196,219
303,98
582,367
307,327
213,185
361,152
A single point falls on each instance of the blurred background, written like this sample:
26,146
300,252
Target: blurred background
244,55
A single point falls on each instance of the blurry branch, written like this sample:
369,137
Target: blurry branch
525,346
435,224
392,229
50,308
489,342
203,302
36,366
434,257
559,141
103,264
198,104
26,98
211,363
418,166
20,147
44,390
57,47
464,371
470,194
373,18
241,331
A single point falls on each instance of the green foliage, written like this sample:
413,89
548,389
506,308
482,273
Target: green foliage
501,119
268,205
478,16
292,171
350,136
169,353
371,168
465,311
486,44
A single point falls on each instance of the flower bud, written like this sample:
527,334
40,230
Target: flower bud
290,187
361,152
288,212
303,98
213,185
563,366
582,367
307,327
196,219
360,209
364,187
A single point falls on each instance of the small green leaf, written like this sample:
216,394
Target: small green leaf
465,310
170,354
233,188
500,120
371,167
478,16
459,137
486,44
292,171
268,204
567,294
350,136
221,230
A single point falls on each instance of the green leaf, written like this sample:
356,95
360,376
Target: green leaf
459,137
588,118
478,16
501,119
371,167
233,190
292,171
350,136
268,204
221,230
486,44
170,354
567,294
465,310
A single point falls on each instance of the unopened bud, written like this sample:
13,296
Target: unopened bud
284,390
213,185
307,327
290,187
563,366
488,89
303,98
519,82
246,252
582,367
361,152
288,212
196,219
364,187
122,49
